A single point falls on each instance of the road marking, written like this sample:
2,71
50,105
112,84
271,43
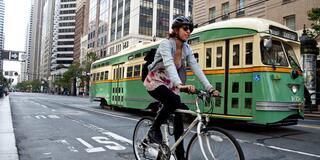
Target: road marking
118,137
244,141
43,106
90,148
53,116
40,116
308,126
71,148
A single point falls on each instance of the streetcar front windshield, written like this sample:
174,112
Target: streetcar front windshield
292,57
274,56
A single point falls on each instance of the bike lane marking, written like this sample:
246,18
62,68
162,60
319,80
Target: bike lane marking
279,148
241,141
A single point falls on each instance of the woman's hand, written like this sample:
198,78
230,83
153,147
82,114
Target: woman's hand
214,93
188,88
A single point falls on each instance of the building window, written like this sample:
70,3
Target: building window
212,14
290,21
163,10
146,13
225,10
240,6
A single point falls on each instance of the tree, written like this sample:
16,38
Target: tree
314,16
68,77
86,67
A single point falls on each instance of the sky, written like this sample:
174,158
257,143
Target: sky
17,13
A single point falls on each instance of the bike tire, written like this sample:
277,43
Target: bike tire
140,132
223,145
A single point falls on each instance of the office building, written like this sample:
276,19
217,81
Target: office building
63,37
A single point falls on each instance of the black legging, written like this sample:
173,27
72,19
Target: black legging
170,102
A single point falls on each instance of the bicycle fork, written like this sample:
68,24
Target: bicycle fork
200,124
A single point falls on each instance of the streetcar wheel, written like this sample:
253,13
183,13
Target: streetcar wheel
217,144
103,103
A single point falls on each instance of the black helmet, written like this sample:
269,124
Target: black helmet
182,20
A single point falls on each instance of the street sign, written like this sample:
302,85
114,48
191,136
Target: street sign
14,56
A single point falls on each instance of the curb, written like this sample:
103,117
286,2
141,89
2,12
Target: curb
8,149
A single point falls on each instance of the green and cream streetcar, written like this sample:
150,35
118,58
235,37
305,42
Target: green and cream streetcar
252,61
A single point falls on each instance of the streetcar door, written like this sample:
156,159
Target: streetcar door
214,53
239,98
117,85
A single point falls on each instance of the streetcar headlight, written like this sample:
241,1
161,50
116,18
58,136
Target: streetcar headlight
294,88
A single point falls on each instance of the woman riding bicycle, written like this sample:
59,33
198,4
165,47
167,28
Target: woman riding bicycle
167,76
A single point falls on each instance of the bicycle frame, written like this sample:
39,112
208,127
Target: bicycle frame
197,121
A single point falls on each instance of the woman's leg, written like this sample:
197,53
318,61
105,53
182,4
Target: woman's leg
171,102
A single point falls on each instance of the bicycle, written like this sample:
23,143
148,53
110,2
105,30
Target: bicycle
213,142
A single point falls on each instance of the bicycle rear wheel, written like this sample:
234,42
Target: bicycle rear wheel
217,143
141,147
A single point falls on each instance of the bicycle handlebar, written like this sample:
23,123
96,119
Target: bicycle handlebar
200,93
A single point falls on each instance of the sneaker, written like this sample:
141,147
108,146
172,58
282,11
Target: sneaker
155,136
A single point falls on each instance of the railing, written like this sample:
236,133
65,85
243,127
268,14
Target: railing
313,107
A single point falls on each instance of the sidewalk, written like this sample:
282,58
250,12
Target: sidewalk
8,149
312,115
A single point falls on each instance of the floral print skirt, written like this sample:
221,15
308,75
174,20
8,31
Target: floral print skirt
157,78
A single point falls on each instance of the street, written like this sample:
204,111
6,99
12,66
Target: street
66,127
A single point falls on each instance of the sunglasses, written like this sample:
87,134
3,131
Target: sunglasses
186,28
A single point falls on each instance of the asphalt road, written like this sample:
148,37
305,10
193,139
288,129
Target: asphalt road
72,128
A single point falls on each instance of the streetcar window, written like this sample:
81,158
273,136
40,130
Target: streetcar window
122,73
196,55
234,102
236,54
93,76
248,103
129,71
292,57
101,75
97,76
137,55
248,53
248,87
136,72
219,56
235,87
106,73
208,57
274,56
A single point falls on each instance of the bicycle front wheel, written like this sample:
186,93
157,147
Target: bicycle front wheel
141,147
217,144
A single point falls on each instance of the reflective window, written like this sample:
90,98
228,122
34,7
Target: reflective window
208,57
236,54
248,54
292,57
274,55
219,56
136,71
